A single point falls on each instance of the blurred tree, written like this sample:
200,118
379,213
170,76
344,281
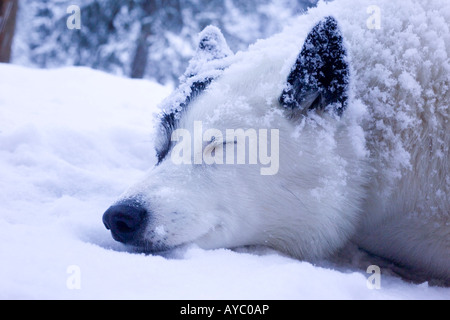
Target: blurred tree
8,10
141,38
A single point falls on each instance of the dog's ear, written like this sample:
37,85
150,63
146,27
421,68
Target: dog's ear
207,64
320,77
212,46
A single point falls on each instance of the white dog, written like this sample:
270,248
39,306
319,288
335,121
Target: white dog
346,141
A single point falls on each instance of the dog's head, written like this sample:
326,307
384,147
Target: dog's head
238,155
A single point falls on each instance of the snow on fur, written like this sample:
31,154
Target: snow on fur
64,155
378,176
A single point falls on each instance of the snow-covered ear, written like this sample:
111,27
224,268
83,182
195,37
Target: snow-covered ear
212,46
320,77
206,66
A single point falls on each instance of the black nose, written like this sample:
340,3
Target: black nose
126,221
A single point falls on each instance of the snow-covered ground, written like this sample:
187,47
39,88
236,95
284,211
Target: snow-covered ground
71,141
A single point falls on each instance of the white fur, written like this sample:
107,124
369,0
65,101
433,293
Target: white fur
378,176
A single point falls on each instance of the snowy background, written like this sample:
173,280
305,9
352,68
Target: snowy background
73,138
141,38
